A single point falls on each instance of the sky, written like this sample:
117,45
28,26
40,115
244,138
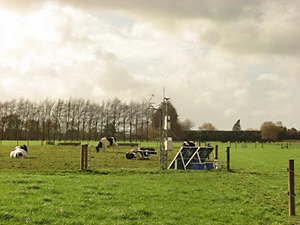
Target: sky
218,61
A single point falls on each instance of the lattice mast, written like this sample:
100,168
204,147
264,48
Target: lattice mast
163,131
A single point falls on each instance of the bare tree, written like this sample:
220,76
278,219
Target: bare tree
115,109
19,118
25,118
97,120
124,117
57,117
137,114
131,111
4,116
91,118
84,116
11,108
207,127
77,105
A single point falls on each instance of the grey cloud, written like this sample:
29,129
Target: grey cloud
242,27
217,9
116,78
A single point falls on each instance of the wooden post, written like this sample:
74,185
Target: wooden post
84,157
216,152
81,158
228,158
291,188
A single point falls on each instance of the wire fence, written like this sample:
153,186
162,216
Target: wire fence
266,170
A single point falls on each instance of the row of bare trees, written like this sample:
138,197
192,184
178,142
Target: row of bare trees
76,119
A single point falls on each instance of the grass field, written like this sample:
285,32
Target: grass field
49,188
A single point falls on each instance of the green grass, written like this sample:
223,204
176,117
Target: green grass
49,188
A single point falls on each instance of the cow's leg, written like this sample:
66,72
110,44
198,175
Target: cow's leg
104,146
99,146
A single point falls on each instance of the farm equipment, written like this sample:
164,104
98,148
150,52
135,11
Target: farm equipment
190,157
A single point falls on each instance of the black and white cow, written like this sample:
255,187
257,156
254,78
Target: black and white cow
106,142
140,153
188,143
19,152
136,154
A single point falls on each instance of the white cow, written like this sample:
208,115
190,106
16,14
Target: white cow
106,142
19,152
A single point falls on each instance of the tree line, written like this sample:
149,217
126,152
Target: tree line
81,119
269,131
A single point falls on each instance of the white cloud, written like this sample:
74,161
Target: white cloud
272,78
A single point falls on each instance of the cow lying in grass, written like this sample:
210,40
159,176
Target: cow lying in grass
188,143
140,153
19,152
106,142
136,154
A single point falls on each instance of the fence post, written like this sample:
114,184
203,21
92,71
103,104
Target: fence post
216,152
84,157
291,188
228,158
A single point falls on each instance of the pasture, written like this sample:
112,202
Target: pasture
49,188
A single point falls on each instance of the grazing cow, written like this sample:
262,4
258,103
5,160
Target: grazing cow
19,152
106,142
188,143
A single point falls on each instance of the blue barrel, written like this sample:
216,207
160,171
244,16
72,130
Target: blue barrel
197,166
209,165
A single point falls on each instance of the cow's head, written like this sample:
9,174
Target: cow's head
112,141
185,143
24,147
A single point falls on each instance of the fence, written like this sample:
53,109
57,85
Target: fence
236,164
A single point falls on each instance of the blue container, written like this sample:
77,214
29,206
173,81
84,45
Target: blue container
209,165
197,166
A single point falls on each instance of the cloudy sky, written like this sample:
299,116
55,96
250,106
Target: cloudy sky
218,61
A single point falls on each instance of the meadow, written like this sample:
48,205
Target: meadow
49,188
